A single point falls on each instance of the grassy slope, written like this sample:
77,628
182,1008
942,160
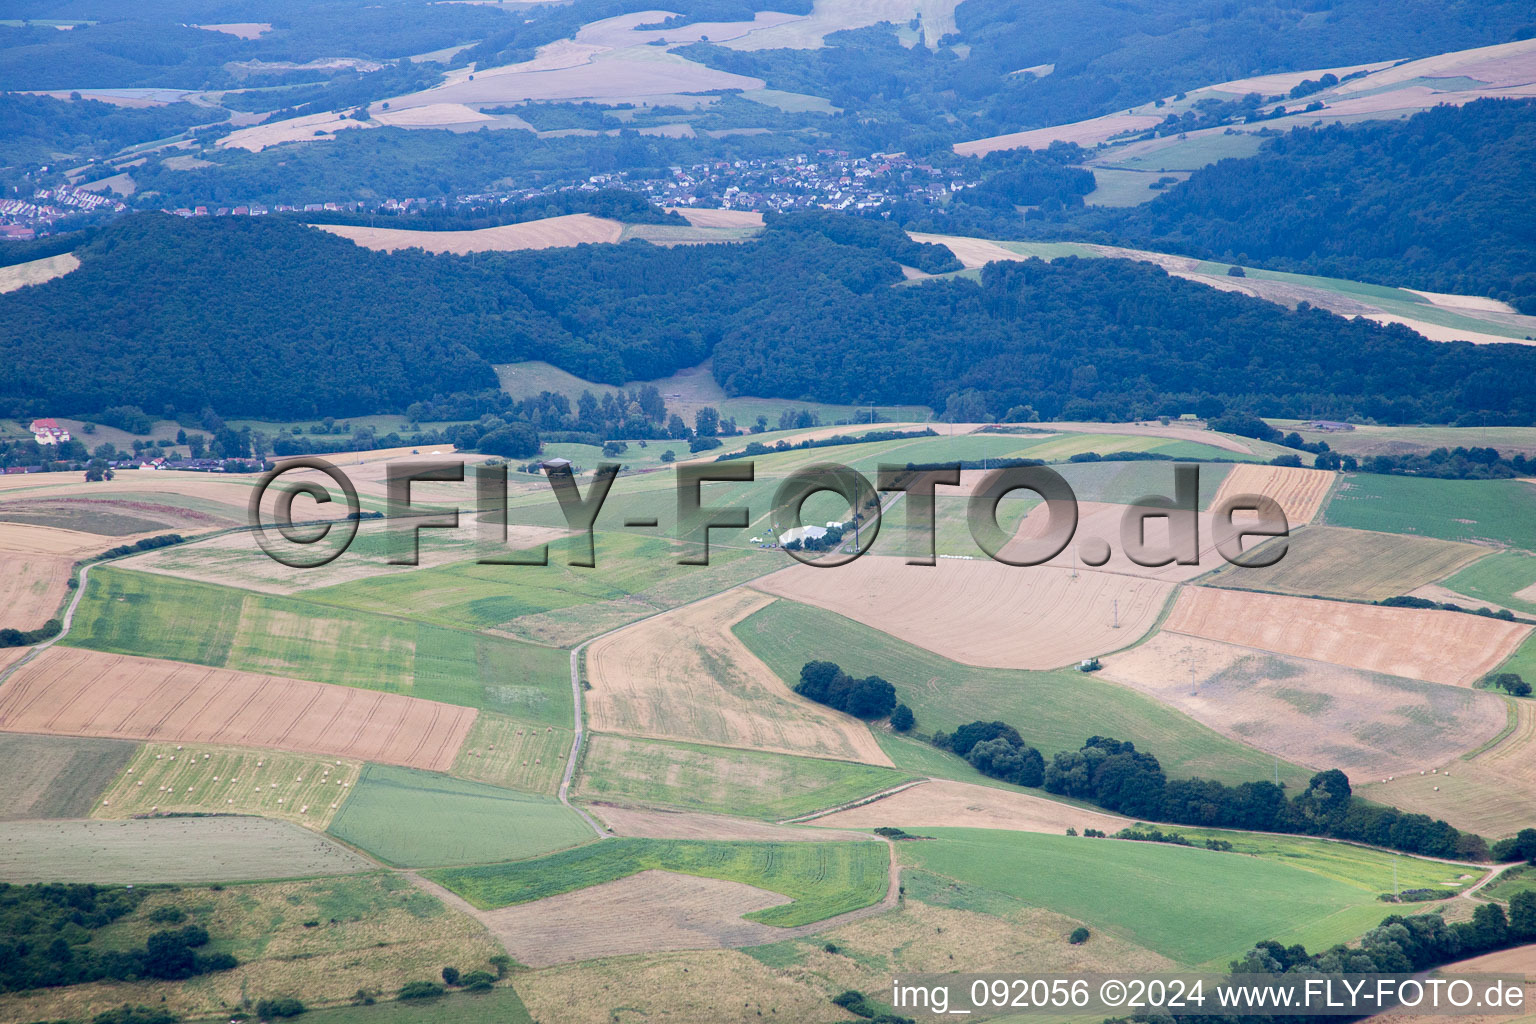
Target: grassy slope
823,879
412,818
1500,511
748,783
1497,578
1054,711
159,616
57,776
498,1006
1177,901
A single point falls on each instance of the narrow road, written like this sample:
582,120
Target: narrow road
570,762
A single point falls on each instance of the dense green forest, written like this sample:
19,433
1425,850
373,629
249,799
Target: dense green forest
40,129
266,317
1439,201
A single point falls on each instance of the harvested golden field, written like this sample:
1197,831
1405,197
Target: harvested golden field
660,823
519,755
972,252
549,233
649,912
32,587
804,32
1103,520
1355,565
719,986
240,29
1312,713
432,115
309,128
19,275
175,778
1299,491
1442,647
982,612
1490,792
701,218
71,692
940,803
683,675
1085,133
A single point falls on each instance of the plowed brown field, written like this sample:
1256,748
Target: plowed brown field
86,693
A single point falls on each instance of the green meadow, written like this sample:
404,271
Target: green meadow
156,616
1194,906
823,879
1055,711
747,783
1498,578
411,818
1496,511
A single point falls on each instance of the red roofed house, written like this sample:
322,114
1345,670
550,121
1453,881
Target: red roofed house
48,432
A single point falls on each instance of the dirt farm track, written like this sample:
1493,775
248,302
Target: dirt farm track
70,692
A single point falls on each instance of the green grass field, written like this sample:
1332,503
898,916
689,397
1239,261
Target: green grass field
158,616
823,879
1498,578
1356,565
1123,483
512,753
412,818
747,783
1497,511
1369,870
1054,711
1523,661
1515,880
57,776
1193,906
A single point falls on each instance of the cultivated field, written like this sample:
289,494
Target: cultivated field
1499,512
1103,521
982,612
1311,712
1354,565
170,778
159,616
167,850
661,823
822,879
19,275
83,693
1300,492
684,675
1055,711
702,218
550,233
1507,578
722,780
508,752
943,804
32,587
1442,647
650,912
412,818
1490,791
323,938
828,16
1186,916
56,776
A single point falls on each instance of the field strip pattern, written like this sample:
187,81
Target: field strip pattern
984,613
1438,646
941,803
684,675
1300,492
664,823
76,692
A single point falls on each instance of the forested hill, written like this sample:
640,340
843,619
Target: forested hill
265,317
1440,201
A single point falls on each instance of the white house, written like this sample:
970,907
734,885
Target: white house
48,432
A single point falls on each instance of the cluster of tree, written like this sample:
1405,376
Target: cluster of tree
1521,846
826,683
858,1004
45,931
1430,202
877,235
613,203
27,637
1399,945
40,129
281,1007
474,981
794,314
1458,463
995,749
1512,684
756,448
1409,601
